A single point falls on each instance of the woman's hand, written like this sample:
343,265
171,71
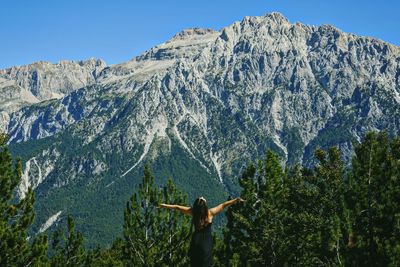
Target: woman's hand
239,199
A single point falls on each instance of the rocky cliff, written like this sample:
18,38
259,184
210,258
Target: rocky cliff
211,100
40,81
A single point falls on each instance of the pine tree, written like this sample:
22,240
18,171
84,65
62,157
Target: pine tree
175,227
153,236
107,257
329,178
68,250
16,217
374,202
254,230
291,217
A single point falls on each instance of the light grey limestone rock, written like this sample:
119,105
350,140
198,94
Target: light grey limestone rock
25,85
225,96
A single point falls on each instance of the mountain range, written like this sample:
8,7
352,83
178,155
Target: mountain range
196,108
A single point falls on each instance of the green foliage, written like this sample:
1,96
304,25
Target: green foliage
255,230
68,250
336,131
188,174
323,216
292,140
374,202
153,236
107,257
16,217
98,201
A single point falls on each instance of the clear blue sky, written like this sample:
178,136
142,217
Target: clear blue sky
117,30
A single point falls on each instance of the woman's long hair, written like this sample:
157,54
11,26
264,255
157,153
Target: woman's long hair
200,213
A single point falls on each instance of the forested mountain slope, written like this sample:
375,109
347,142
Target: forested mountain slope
197,108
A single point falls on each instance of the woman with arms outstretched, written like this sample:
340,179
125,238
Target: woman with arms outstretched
201,245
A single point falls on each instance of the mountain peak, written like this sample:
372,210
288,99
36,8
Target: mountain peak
192,32
45,80
93,62
198,106
277,17
271,18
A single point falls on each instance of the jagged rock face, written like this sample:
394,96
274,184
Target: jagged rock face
40,81
284,82
221,98
46,81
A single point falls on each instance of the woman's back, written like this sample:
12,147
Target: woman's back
201,244
201,247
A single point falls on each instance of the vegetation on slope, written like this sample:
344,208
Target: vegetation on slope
296,216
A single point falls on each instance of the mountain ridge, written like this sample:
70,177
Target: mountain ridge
213,99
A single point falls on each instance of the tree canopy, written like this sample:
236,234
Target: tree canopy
332,214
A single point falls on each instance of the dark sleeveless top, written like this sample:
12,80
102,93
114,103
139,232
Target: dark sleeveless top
201,247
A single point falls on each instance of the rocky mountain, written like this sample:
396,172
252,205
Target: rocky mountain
40,81
196,108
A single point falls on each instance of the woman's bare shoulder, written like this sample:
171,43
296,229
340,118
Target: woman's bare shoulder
210,216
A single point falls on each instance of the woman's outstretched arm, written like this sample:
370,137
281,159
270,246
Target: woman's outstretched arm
222,206
183,209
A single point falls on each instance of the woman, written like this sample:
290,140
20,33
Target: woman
201,245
